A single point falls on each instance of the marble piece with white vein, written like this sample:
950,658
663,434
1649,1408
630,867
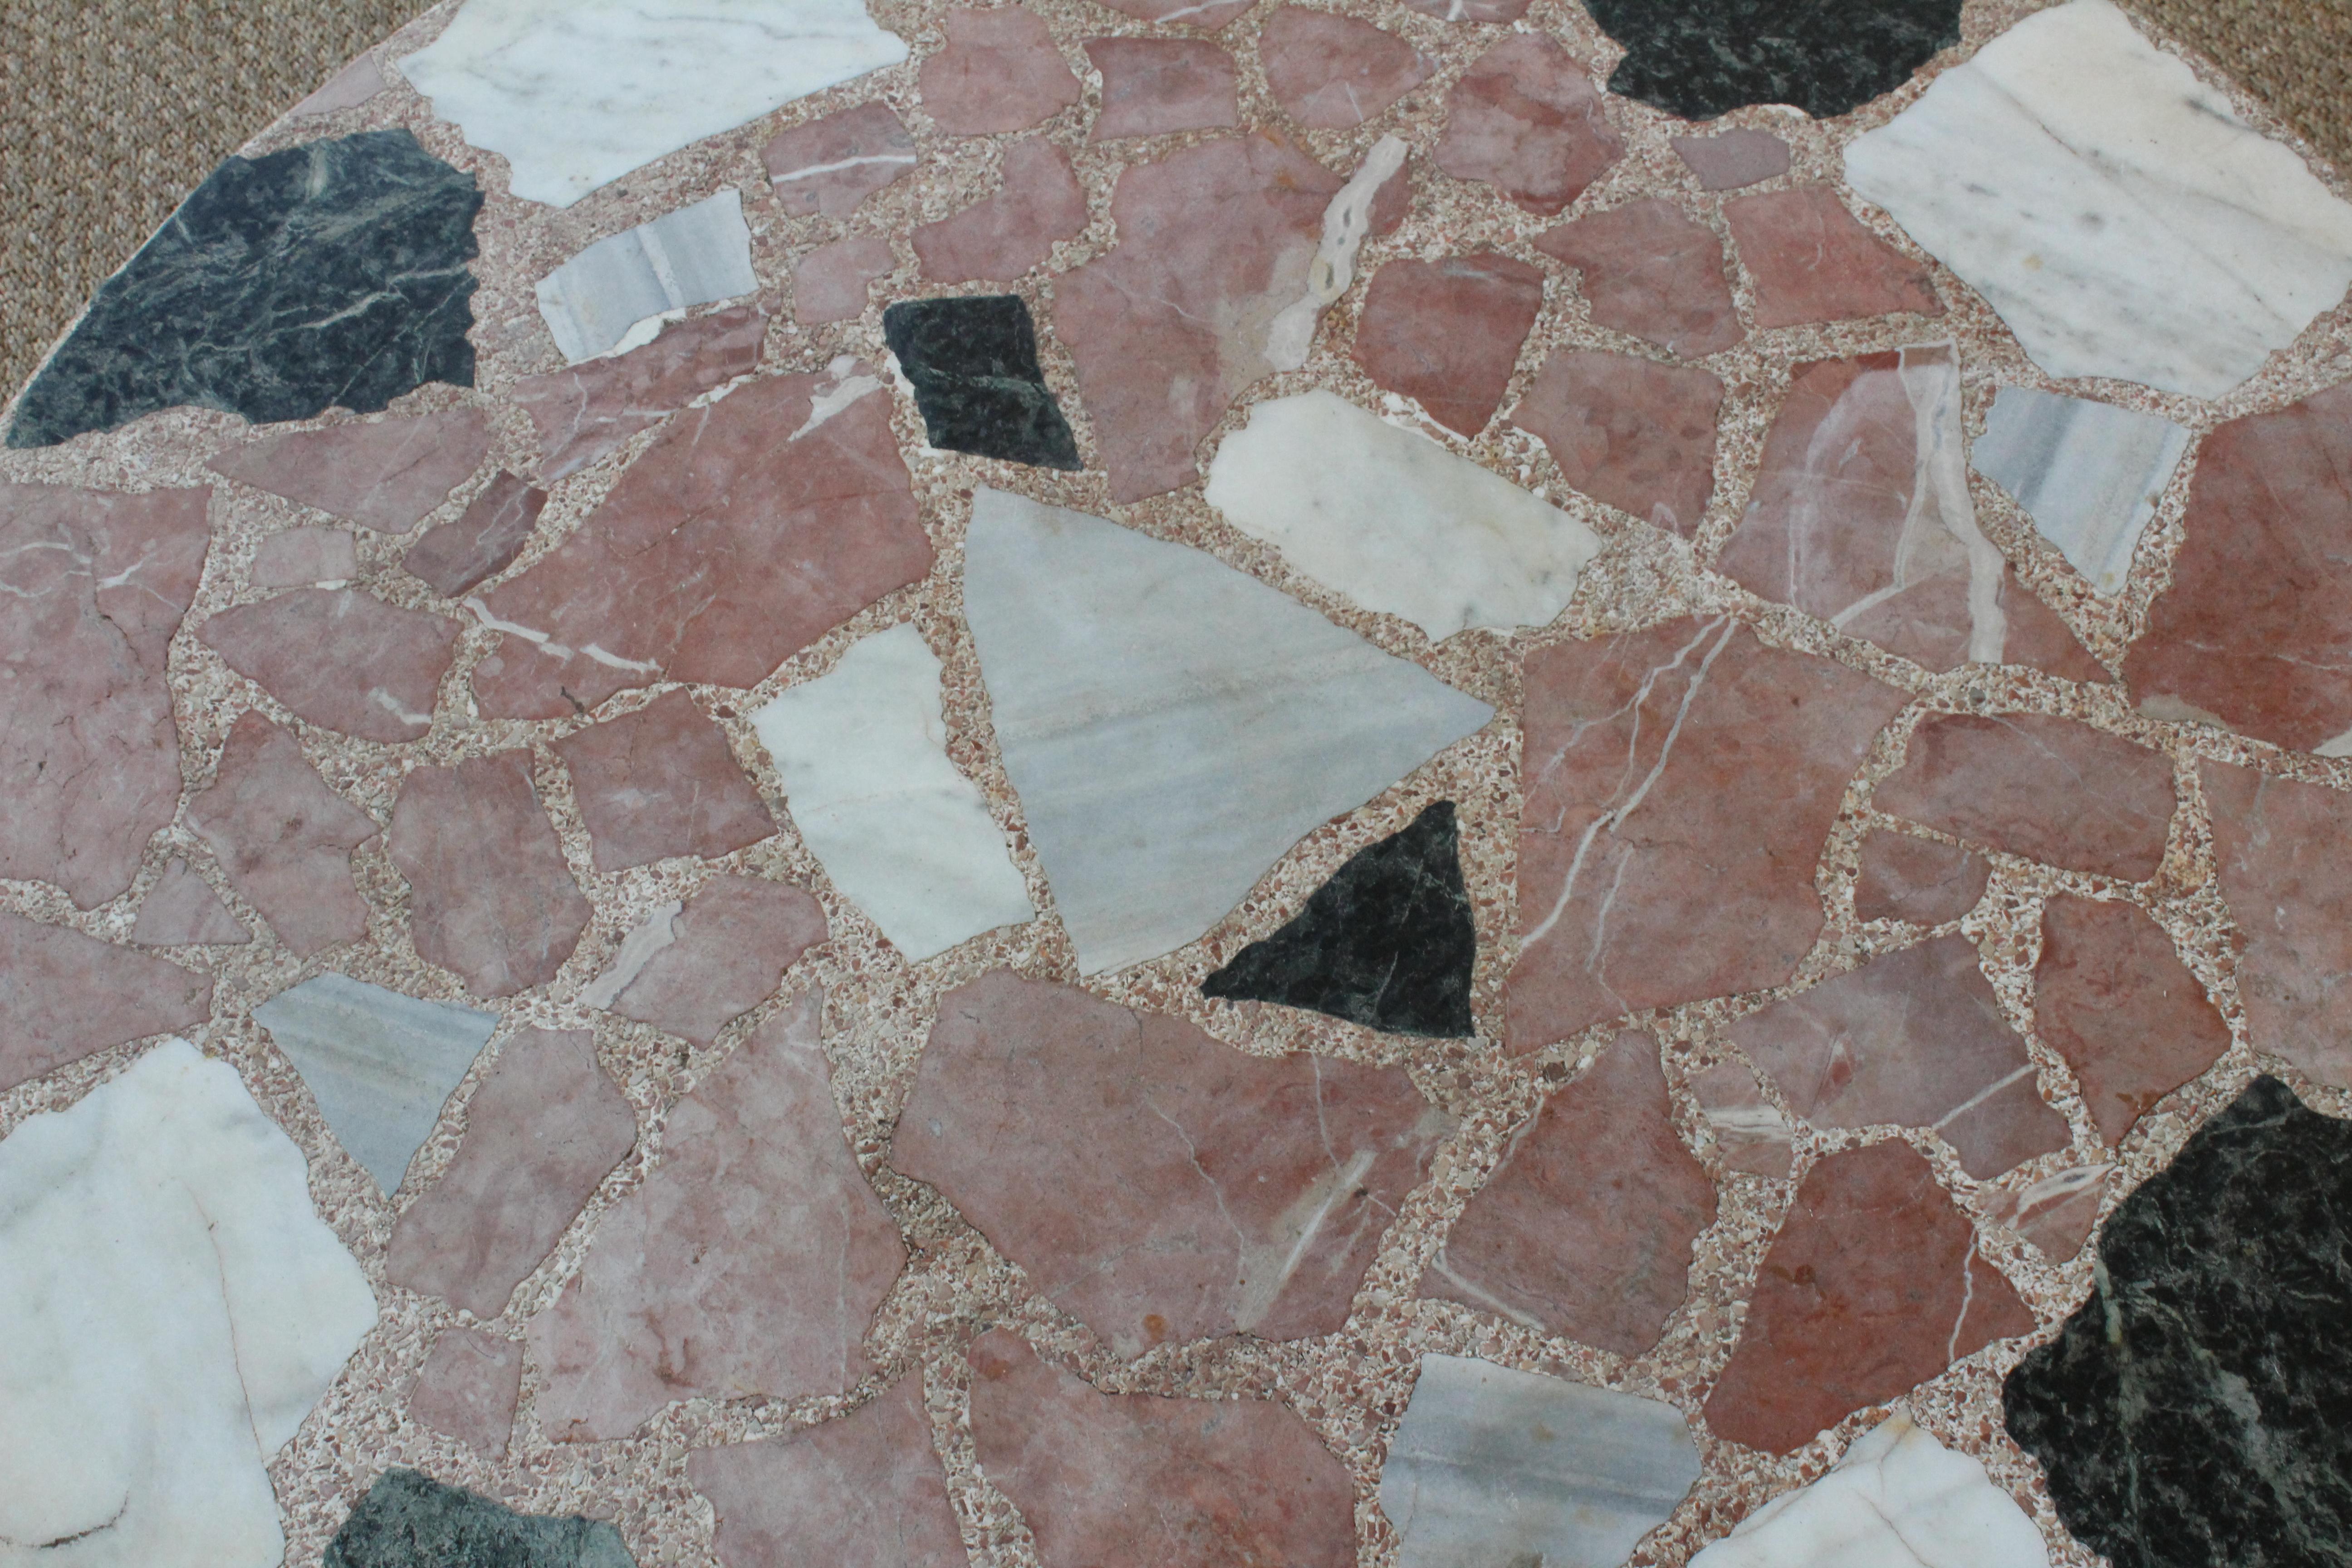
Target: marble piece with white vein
2115,210
171,1308
1493,1467
575,93
1394,521
615,295
862,753
2088,474
380,1064
1170,725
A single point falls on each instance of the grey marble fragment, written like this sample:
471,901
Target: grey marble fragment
691,256
2089,474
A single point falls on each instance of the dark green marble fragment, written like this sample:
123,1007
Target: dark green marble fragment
1700,58
2198,1409
972,362
1387,942
411,1520
329,273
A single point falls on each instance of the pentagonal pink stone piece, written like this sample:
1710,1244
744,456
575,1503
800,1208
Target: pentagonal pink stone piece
1155,86
293,557
1328,71
1749,1131
2057,1213
283,839
2275,850
95,585
479,542
384,475
1635,434
833,163
662,782
2112,996
731,944
999,72
340,658
749,529
1651,270
540,1133
1004,234
1587,1222
1731,159
1165,1186
1649,872
586,410
1905,877
1448,332
63,994
180,910
1139,1477
1812,260
468,1388
830,283
750,1262
1526,119
491,897
1210,15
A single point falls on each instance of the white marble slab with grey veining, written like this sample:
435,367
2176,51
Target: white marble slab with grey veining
2088,474
616,294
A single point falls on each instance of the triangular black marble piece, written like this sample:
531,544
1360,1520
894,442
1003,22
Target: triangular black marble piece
411,1520
2197,1408
329,273
1700,58
972,362
1387,942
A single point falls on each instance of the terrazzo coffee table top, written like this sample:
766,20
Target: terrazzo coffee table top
1427,783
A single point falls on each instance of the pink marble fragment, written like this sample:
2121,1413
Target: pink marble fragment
386,474
1470,10
1329,72
1905,877
489,895
481,541
1650,270
730,947
2275,850
1000,236
749,529
833,163
2055,1214
284,839
2112,996
341,658
1447,332
1651,871
1812,260
584,411
1526,119
1000,71
1586,1225
1636,435
180,910
830,283
1142,1478
1165,1186
750,1262
1730,158
469,1389
293,557
661,781
96,584
540,1133
1151,87
347,89
63,994
1749,1131
1208,14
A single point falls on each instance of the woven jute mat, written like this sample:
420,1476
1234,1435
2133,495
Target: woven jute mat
111,110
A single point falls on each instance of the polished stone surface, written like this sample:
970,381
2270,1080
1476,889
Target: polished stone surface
832,282
659,782
617,292
384,474
1704,59
2294,919
972,362
1991,781
1526,119
1812,260
831,164
1729,160
2088,474
1000,71
284,839
729,948
1328,72
2112,996
479,542
1750,1132
469,1389
1922,880
1649,269
298,557
182,910
68,994
410,1521
1446,334
1636,434
1004,234
341,658
1154,86
586,412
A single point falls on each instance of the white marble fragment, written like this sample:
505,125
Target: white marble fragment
2088,474
2115,210
1898,1500
576,93
1172,725
1394,521
1493,1467
616,294
863,753
171,1308
1348,218
380,1064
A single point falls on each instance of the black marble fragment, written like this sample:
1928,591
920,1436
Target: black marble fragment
329,273
1387,942
973,365
411,1520
1700,58
2198,1409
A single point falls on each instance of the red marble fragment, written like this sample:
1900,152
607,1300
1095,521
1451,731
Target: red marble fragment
1001,237
284,839
831,282
1749,1131
834,162
662,782
1526,119
384,475
489,895
2276,848
341,658
1448,333
1812,260
481,541
1731,159
1587,1224
2112,996
293,557
587,410
1165,1186
1636,435
1207,14
749,529
95,585
180,910
1905,877
1142,1477
63,994
1872,1286
2049,789
2055,1214
469,1387
1650,270
1151,87
1328,71
1470,10
1000,71
730,947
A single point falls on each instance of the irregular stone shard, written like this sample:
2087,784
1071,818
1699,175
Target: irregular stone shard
574,102
182,910
661,781
347,89
1448,333
750,1262
588,410
729,950
409,1520
831,282
1699,60
2294,916
283,839
1650,270
1586,1225
862,1490
1812,260
1905,878
2049,789
1493,1467
1209,14
1750,1132
68,994
1000,71
1731,159
384,474
616,292
2088,474
480,543
172,1308
1915,1038
1526,119
380,1064
1872,1286
1107,1478
340,658
1633,434
2112,996
2187,1413
1329,72
1394,521
972,362
469,1387
2056,1213
1003,236
1229,719
297,557
1470,10
489,895
89,762
1646,877
832,165
1151,87
1167,1186
749,529
329,273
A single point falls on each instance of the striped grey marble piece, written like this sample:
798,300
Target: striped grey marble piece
2089,474
694,256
